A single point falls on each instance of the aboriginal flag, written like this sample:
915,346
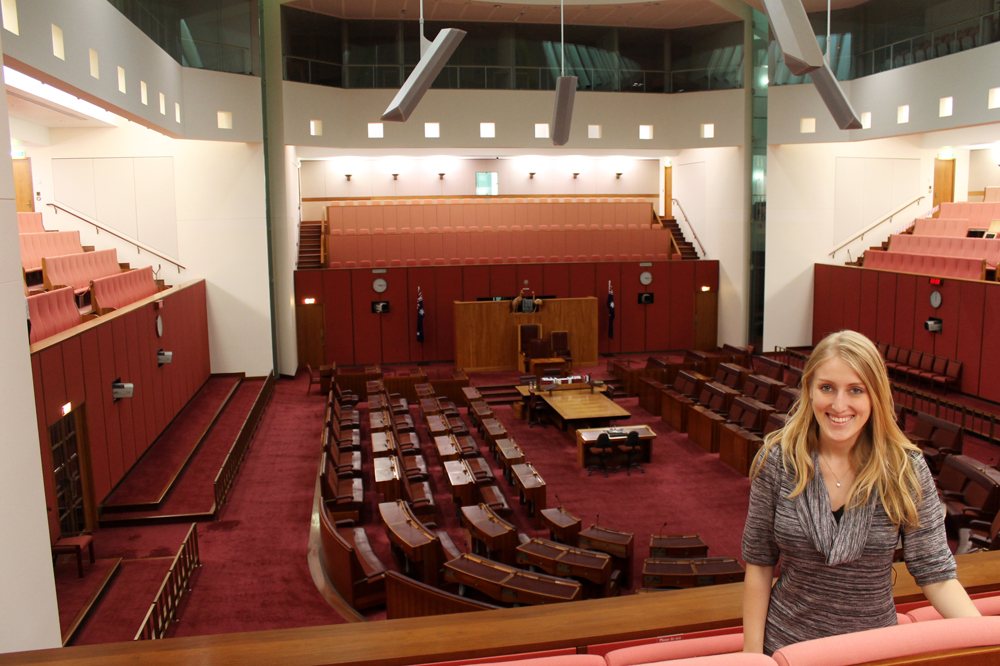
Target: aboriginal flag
611,312
420,316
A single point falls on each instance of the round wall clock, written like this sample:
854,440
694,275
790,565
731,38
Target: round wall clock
159,326
936,299
380,285
645,277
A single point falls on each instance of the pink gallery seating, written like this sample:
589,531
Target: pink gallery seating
52,312
988,606
78,270
906,640
116,291
969,248
956,267
528,660
53,244
979,213
726,644
942,227
29,223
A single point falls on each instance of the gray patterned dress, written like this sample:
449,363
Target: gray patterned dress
835,578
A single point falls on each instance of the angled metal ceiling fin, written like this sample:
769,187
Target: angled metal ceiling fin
737,8
791,28
833,96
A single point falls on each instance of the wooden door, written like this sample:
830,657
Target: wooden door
311,333
24,189
668,192
944,181
706,319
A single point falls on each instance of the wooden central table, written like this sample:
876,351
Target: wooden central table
588,436
579,405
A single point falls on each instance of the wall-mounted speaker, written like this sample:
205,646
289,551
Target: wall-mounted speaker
833,96
795,36
423,75
562,113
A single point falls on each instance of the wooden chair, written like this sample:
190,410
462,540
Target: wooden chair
525,334
560,347
313,378
74,546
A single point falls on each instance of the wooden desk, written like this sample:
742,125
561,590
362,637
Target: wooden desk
509,585
657,572
531,487
588,436
447,448
379,421
563,526
461,482
429,406
562,561
617,544
677,546
508,453
421,549
437,425
388,478
478,412
485,527
471,395
543,367
493,431
382,444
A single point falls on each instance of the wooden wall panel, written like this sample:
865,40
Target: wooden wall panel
821,302
923,340
449,290
632,316
682,304
885,329
139,398
970,332
603,273
706,274
835,317
367,330
851,278
112,422
308,284
45,445
486,331
946,342
583,280
989,369
338,308
868,322
475,282
146,330
534,274
120,334
54,381
423,278
658,321
96,429
503,280
394,324
906,289
555,278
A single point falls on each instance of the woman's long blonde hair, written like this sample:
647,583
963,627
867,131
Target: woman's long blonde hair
881,454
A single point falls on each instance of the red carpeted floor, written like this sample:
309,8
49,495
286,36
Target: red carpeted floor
194,492
135,543
72,592
120,611
254,573
146,481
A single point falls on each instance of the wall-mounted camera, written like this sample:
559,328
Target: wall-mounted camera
380,307
646,298
933,325
164,357
120,389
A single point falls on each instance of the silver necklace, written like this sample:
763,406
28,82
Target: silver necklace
830,467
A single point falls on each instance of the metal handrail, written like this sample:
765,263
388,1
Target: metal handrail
691,227
868,229
100,227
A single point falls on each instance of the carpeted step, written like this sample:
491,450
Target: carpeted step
117,616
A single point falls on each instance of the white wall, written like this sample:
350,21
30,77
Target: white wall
710,184
984,169
218,192
801,228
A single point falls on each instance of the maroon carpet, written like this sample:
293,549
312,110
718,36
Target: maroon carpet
72,592
194,491
119,614
134,543
255,574
151,474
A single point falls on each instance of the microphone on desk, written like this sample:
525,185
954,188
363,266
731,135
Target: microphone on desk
597,521
558,500
662,526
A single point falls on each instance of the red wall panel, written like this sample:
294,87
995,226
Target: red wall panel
96,428
367,331
337,311
821,302
583,281
631,315
308,284
989,369
140,396
923,340
706,274
946,342
394,324
125,406
682,304
556,280
475,282
145,327
423,278
852,297
658,315
534,274
835,317
885,328
449,290
970,332
503,280
906,289
868,323
46,448
54,380
603,273
112,422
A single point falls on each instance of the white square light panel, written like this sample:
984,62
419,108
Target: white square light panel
375,131
903,114
593,131
946,106
708,131
315,128
432,130
9,9
994,97
487,130
866,120
541,130
225,119
807,125
58,49
645,132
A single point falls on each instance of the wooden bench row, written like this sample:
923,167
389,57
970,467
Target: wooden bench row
921,366
901,262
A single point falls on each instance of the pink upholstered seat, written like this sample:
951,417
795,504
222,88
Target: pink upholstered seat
29,223
892,642
683,649
38,245
117,291
988,606
78,270
554,660
52,312
736,659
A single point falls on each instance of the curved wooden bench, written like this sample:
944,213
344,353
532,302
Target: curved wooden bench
351,564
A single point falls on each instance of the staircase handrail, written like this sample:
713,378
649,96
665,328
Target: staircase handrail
880,221
704,255
100,227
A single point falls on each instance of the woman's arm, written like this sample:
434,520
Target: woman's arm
756,597
948,598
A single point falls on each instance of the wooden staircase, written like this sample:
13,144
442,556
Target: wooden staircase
310,246
686,249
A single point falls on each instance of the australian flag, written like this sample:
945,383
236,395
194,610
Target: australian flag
611,312
420,316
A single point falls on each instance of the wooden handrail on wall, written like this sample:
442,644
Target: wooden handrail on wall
163,610
100,227
870,227
488,196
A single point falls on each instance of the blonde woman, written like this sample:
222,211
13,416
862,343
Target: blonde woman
831,493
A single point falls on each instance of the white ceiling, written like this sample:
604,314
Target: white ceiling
662,14
38,111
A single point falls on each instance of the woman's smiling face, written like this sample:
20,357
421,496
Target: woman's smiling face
841,403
